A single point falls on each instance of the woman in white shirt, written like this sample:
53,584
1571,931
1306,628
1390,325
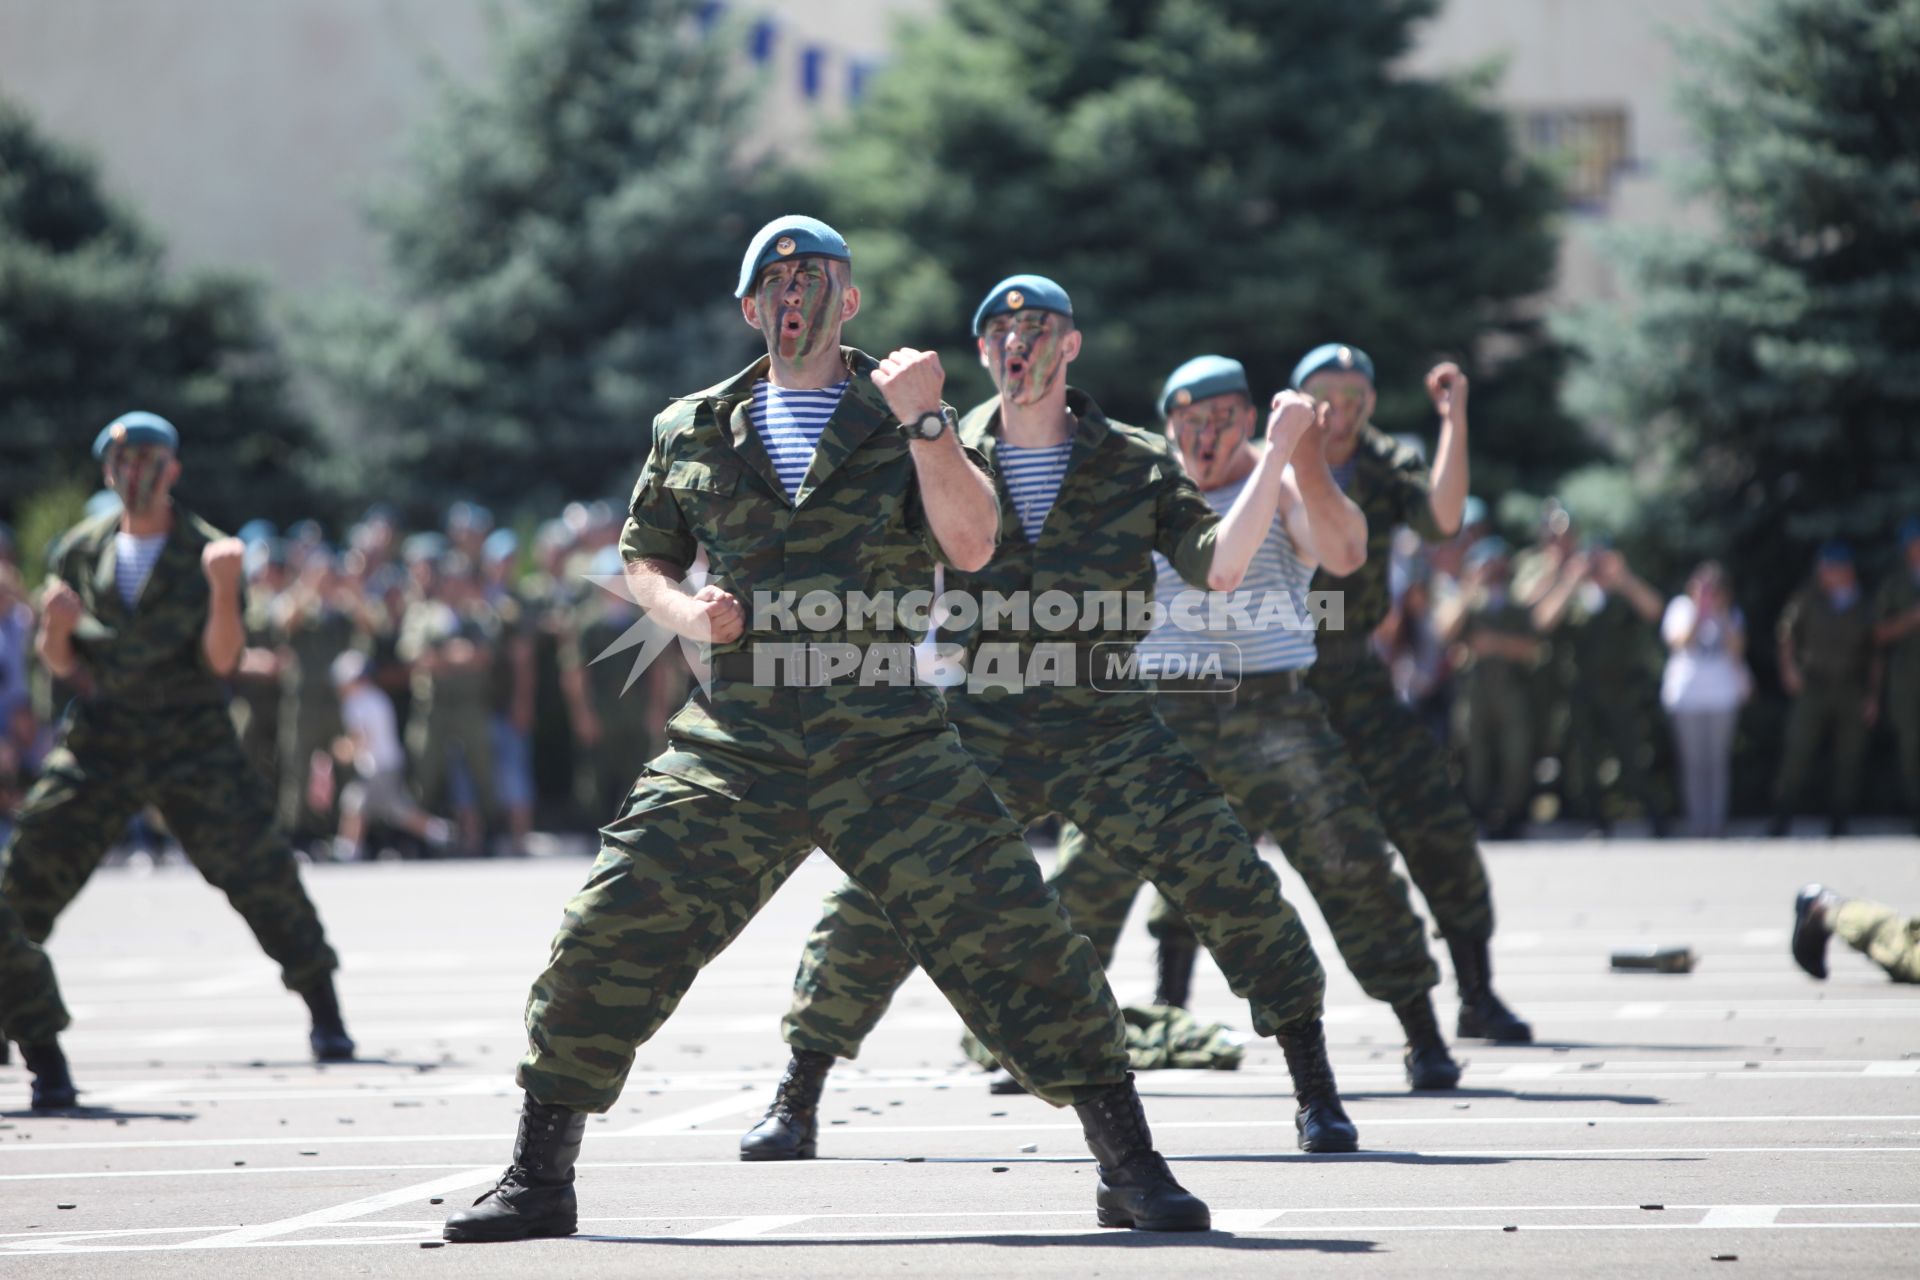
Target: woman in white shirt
1705,683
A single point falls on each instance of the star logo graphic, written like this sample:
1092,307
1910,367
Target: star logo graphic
647,639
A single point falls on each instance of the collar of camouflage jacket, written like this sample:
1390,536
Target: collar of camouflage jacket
980,429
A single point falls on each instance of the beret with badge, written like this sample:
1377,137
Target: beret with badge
1022,293
138,427
1337,356
793,236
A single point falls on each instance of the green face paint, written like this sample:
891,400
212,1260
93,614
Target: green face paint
138,473
1209,432
1026,354
798,304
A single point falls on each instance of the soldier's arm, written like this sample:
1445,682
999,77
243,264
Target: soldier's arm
1448,498
658,547
1336,526
957,497
1247,523
224,634
60,610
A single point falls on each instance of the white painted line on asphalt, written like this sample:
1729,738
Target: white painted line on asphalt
1741,1215
1910,1068
856,1162
1638,1012
747,1228
351,1209
680,1123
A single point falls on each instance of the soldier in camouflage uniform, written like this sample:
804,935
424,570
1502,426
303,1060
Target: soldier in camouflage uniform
1888,938
1086,502
773,756
1503,650
144,614
314,627
32,1014
1404,770
1896,630
451,639
1831,669
1263,735
256,681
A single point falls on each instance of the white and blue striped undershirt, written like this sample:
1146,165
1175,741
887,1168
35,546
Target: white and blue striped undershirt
133,561
1033,477
790,422
1276,567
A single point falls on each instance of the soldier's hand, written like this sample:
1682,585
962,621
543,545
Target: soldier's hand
1291,415
61,606
222,562
1447,387
714,615
911,381
1310,449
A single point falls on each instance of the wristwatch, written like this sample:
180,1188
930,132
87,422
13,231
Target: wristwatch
930,425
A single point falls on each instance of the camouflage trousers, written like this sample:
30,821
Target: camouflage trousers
716,823
1147,804
305,726
1288,776
1405,773
1883,935
107,766
31,1011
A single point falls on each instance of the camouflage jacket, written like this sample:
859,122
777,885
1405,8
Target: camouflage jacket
1899,593
856,524
1392,487
1124,497
147,658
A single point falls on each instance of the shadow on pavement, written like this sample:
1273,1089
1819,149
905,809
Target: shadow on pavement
1620,1099
1116,1238
97,1113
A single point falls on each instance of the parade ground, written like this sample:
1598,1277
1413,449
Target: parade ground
1742,1117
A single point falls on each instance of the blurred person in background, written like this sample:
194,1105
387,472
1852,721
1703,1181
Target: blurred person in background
16,643
378,792
1705,683
1897,631
1496,634
1597,615
1831,669
510,714
1410,642
550,601
256,681
449,637
315,620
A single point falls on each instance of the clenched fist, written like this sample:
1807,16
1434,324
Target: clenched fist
1293,414
911,381
222,562
713,614
1447,387
61,606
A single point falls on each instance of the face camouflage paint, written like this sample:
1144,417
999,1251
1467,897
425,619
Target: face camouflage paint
797,303
138,473
1026,353
1208,433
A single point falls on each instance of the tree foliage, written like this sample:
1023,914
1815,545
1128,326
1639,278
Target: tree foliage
561,264
1251,177
92,324
1767,369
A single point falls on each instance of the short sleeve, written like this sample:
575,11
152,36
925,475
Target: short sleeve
1186,528
656,529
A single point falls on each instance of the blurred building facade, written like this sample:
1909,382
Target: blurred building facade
255,134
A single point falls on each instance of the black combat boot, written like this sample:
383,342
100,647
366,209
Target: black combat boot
1321,1120
534,1197
1136,1188
52,1084
1811,928
1002,1083
1482,1015
1429,1065
792,1123
1176,971
329,1035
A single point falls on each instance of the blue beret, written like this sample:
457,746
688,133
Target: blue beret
1022,293
1332,355
256,531
500,545
104,503
138,427
1492,548
1473,511
1201,377
794,236
1836,551
423,546
1909,529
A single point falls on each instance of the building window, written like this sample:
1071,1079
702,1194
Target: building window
1587,147
813,61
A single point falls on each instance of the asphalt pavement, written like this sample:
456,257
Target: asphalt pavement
1742,1119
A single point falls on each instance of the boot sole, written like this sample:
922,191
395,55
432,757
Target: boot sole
1330,1144
456,1235
1525,1037
762,1157
1114,1218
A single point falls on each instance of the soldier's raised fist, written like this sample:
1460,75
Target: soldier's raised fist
911,381
222,561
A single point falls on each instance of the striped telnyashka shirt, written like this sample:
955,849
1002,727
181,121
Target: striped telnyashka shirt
790,423
1033,479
